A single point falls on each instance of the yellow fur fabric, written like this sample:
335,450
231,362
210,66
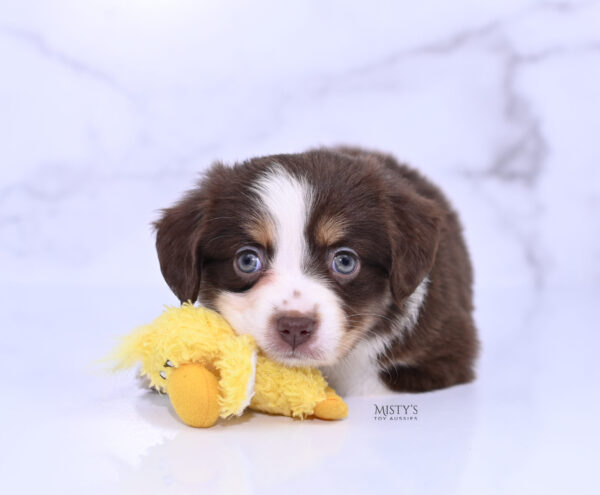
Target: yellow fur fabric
286,390
192,334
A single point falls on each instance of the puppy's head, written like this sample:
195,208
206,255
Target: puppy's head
304,252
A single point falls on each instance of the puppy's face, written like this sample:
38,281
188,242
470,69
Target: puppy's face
296,250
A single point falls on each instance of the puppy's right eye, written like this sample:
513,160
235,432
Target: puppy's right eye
247,261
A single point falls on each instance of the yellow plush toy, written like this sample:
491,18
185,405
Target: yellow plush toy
209,371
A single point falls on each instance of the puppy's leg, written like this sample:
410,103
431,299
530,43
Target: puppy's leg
449,363
429,376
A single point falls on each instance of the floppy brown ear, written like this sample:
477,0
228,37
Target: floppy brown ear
178,235
416,227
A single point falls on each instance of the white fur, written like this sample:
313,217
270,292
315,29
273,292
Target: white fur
412,307
287,201
358,372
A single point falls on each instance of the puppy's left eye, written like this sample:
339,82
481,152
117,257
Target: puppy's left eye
345,262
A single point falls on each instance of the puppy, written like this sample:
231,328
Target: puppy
338,258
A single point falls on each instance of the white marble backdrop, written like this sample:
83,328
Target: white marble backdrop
109,109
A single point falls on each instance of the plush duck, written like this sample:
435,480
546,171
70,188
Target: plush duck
209,371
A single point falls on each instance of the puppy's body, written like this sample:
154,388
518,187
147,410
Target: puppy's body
337,258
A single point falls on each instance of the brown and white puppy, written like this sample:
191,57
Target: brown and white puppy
336,258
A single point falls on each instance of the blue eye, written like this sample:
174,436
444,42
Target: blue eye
248,261
345,262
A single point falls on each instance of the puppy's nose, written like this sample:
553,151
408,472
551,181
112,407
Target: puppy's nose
295,329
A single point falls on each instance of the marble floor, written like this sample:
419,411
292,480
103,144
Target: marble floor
527,425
